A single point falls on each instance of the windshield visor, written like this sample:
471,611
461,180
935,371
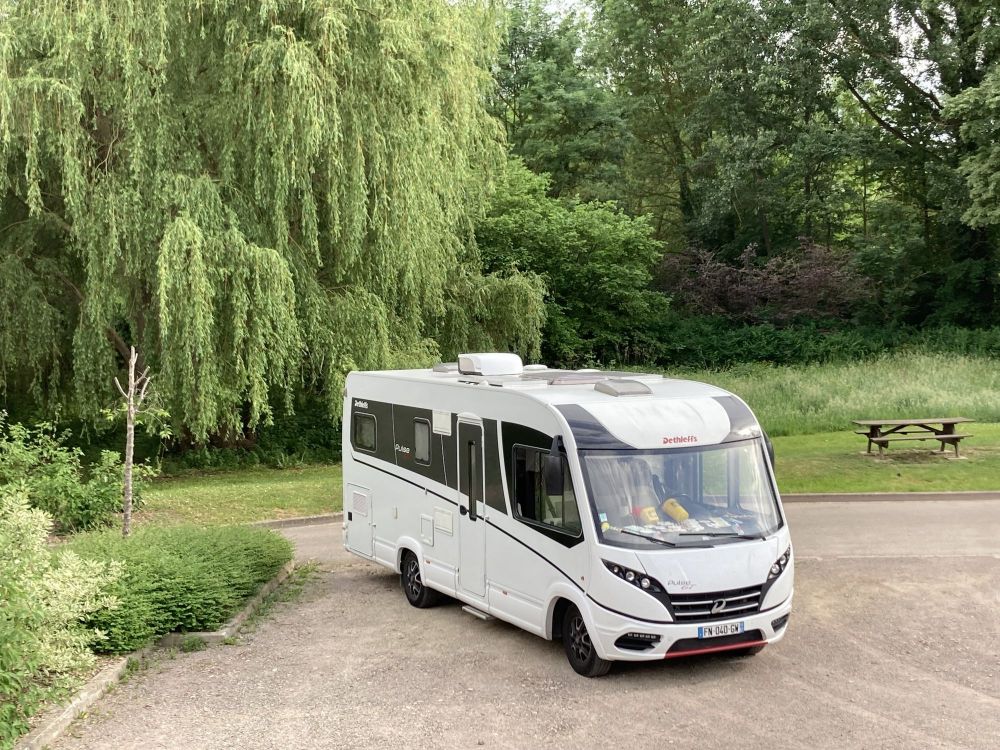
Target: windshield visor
681,496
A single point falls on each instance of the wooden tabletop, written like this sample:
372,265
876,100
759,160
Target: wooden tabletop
895,422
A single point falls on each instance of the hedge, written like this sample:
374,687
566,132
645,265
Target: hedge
179,579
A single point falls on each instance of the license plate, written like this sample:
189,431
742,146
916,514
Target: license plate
714,631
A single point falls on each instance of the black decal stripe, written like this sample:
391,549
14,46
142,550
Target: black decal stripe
741,420
523,544
404,479
588,432
532,549
568,578
631,617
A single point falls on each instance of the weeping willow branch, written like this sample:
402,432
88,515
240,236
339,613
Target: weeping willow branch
254,196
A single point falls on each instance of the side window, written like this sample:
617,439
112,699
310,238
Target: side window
422,441
531,503
365,432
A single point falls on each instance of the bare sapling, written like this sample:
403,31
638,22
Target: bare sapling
134,396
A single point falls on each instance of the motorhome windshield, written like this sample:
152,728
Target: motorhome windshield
681,496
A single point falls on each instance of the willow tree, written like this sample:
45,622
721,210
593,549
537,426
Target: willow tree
249,193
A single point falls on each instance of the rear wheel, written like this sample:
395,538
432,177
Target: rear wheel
413,585
579,647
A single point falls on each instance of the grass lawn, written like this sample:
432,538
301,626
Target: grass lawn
837,462
243,496
808,399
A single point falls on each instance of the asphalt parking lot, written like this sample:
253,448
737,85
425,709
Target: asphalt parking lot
894,642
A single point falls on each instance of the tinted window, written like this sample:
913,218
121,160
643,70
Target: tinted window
422,441
365,432
532,503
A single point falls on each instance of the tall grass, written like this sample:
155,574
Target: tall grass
825,397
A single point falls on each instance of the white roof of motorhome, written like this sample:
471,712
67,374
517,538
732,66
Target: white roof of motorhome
555,386
609,410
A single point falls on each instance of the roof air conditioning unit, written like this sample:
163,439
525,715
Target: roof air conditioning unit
487,364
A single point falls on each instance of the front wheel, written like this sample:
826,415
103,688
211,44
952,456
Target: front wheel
417,594
579,647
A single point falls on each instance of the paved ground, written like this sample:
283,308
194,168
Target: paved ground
894,643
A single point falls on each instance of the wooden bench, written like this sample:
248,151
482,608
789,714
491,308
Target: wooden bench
881,432
953,439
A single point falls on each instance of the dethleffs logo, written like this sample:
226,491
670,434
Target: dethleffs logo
680,439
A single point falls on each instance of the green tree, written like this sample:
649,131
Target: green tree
595,260
902,61
765,122
559,117
978,110
254,195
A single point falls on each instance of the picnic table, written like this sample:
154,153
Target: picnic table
881,432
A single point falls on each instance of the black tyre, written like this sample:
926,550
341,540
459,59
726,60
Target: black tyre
751,651
579,648
413,586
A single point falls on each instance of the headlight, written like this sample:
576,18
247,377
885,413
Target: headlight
637,579
779,565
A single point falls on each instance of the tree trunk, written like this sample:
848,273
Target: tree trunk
864,198
129,447
134,397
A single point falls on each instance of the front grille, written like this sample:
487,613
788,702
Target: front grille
698,607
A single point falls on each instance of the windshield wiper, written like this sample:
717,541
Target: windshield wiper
727,534
650,538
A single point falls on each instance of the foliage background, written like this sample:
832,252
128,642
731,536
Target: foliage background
262,198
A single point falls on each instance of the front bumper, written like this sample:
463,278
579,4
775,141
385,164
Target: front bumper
610,626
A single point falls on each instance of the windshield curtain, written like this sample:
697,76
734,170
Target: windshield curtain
682,495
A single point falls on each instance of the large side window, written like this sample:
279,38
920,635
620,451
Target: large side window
422,441
532,503
365,432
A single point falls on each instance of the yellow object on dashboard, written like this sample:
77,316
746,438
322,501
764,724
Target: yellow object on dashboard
646,514
674,509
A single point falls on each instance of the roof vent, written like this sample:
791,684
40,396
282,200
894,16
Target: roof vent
446,367
535,368
488,364
613,387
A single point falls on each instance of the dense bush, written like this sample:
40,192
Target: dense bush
43,598
716,342
179,579
814,282
51,474
306,435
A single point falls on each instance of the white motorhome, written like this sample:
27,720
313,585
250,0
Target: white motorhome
632,516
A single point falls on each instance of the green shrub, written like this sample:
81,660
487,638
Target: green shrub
39,462
307,435
179,579
43,599
715,342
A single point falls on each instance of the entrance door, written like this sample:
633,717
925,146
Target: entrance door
472,526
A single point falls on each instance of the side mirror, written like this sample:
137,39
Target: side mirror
552,472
